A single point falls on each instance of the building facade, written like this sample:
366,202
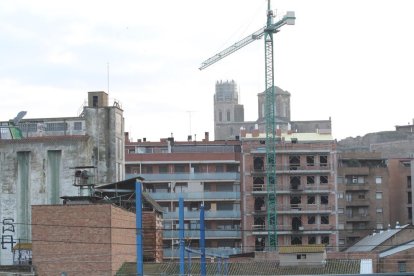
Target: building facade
39,166
363,195
202,172
305,191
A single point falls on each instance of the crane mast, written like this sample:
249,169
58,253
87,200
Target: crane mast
270,110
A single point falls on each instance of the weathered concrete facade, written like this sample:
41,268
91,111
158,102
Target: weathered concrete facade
39,168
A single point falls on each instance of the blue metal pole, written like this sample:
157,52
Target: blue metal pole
138,212
181,232
202,242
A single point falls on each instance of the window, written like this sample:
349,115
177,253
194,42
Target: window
311,219
378,195
341,226
296,240
324,219
340,210
410,212
311,199
310,160
325,239
179,168
323,160
348,197
340,195
378,180
379,210
402,266
55,126
163,168
258,163
380,226
409,182
294,162
409,198
323,179
301,256
294,182
361,196
311,240
147,169
220,116
310,180
77,126
324,199
228,115
232,168
219,168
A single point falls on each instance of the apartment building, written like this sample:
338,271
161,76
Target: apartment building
363,195
202,172
305,190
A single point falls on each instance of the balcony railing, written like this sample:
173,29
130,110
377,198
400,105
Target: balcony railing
223,176
219,251
356,218
300,209
289,228
196,196
287,188
293,169
234,214
209,234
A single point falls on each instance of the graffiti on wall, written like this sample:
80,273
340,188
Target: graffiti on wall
7,234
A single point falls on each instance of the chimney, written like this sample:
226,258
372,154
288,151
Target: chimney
206,136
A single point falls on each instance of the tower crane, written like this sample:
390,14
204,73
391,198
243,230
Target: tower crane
266,32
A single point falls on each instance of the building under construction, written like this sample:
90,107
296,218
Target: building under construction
305,191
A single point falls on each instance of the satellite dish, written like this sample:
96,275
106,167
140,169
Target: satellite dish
19,116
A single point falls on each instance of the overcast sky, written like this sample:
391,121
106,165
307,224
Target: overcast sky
348,60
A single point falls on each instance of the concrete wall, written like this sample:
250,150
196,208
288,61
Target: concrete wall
82,239
105,125
35,171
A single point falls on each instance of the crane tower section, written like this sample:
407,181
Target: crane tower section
266,32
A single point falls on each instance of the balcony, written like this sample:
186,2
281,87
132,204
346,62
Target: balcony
304,229
223,176
209,234
358,202
233,214
358,218
260,189
305,209
196,196
218,251
357,187
296,169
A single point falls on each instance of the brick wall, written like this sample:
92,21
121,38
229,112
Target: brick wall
82,239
